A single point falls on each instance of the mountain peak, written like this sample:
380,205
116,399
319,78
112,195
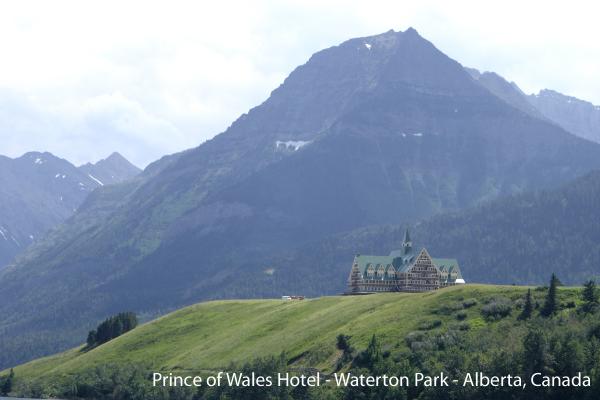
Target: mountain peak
115,159
115,155
112,169
411,31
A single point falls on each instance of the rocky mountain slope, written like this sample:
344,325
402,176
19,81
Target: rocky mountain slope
39,190
580,117
576,116
113,169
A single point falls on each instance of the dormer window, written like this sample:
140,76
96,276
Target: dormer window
391,272
370,271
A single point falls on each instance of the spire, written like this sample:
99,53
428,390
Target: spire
407,243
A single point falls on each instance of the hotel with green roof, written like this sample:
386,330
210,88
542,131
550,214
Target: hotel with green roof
403,270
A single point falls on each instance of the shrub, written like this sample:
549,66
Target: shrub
342,342
415,336
461,315
468,303
463,326
428,325
497,309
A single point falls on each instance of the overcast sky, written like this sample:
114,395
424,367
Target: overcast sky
83,79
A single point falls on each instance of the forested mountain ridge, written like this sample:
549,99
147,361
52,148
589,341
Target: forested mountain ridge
515,240
378,130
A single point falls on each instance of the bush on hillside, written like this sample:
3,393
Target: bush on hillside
497,309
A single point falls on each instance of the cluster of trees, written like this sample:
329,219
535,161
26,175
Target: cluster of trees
589,296
111,328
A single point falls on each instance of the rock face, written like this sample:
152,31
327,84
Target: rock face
378,130
39,191
113,169
576,116
507,91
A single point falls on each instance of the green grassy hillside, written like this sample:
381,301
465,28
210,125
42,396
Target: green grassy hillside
211,335
462,328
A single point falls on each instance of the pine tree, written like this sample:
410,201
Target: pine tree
590,296
8,383
550,308
373,352
370,356
534,352
527,308
91,338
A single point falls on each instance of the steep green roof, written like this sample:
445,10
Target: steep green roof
397,259
448,264
401,262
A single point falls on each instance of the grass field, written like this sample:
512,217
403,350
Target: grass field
211,335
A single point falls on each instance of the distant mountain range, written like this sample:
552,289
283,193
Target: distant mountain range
39,191
578,117
378,130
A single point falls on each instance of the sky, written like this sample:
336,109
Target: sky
149,78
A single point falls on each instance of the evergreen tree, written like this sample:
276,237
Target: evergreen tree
6,387
550,307
527,308
91,338
534,352
590,296
371,356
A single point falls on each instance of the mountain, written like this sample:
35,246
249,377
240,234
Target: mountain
448,330
507,91
39,191
378,130
580,117
113,169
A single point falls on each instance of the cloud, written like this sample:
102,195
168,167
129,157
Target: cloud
83,79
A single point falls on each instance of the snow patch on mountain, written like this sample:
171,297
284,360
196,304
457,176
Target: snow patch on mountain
416,134
293,145
96,180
